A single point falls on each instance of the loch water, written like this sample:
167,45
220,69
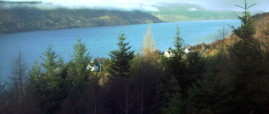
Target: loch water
101,40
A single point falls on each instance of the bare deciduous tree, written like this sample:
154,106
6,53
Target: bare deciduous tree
19,74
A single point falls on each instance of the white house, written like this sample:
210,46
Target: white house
168,53
92,67
187,50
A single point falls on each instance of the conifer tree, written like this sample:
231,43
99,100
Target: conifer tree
78,76
48,86
80,60
246,56
211,93
173,86
176,65
120,59
173,102
178,44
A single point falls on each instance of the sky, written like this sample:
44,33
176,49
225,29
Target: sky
150,5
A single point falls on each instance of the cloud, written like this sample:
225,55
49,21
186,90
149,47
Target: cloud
150,4
114,4
192,9
230,4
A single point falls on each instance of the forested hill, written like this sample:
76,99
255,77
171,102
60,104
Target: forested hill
261,25
187,12
31,19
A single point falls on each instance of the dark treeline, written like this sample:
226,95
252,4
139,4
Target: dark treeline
235,80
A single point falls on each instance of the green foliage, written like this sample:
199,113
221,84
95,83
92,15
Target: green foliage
169,90
78,76
211,92
35,73
169,93
178,44
194,66
120,59
50,65
47,82
175,65
210,95
224,83
175,106
80,61
246,30
246,57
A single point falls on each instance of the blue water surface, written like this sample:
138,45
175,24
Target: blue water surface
101,40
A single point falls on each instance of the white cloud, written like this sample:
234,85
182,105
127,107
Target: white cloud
192,9
149,4
117,4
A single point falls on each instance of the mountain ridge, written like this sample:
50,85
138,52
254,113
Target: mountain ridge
190,12
22,19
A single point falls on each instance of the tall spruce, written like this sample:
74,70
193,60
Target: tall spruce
120,59
79,76
211,92
246,53
47,82
173,87
246,56
176,65
80,61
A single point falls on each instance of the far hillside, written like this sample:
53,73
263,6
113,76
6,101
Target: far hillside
190,12
261,24
23,19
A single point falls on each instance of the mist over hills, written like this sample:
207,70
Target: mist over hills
30,16
190,12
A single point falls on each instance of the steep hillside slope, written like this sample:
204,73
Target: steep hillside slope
29,19
261,23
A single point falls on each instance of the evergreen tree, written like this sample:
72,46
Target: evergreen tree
172,96
246,56
211,93
172,100
175,65
48,86
80,61
178,44
78,76
120,59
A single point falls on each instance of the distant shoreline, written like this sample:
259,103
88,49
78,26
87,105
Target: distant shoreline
23,19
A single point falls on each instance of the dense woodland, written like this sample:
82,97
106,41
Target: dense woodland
233,80
21,19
